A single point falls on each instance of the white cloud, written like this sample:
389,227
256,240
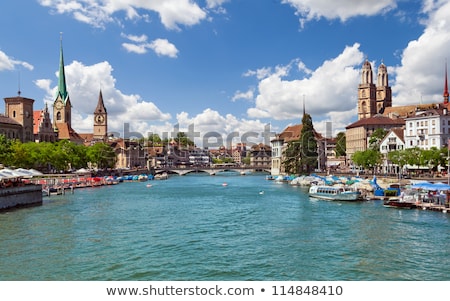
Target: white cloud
343,9
161,47
215,3
420,77
97,13
84,84
8,63
214,129
137,39
135,48
249,95
329,88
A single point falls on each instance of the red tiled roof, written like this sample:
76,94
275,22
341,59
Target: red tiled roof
66,132
291,133
377,120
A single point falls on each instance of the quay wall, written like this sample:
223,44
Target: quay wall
22,196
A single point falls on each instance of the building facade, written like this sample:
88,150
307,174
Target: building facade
393,141
42,126
358,133
373,99
427,129
20,109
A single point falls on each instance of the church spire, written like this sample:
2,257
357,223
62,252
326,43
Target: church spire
446,95
62,88
100,104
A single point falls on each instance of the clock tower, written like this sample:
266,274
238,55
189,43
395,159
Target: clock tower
62,108
100,120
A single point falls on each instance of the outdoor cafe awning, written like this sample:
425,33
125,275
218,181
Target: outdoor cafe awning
431,186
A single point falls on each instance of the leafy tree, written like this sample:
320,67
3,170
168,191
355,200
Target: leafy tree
367,159
291,154
308,145
341,144
102,155
154,140
398,157
376,137
183,140
5,150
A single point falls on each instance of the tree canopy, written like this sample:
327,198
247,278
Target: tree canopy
300,156
58,156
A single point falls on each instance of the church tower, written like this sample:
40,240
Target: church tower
100,120
21,110
373,99
62,108
384,93
446,87
366,93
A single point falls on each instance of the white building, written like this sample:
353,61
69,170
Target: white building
427,129
277,154
394,140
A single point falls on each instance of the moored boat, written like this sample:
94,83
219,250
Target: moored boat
398,203
334,193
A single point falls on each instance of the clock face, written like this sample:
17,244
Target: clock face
58,105
99,118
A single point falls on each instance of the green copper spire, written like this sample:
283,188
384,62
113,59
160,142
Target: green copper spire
62,88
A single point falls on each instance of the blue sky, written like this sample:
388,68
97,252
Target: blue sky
222,65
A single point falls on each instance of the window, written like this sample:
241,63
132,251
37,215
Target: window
58,116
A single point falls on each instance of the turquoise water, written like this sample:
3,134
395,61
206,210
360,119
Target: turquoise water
194,228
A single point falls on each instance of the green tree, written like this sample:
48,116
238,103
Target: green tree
183,140
367,159
154,140
398,157
102,155
291,154
341,147
308,145
376,137
5,150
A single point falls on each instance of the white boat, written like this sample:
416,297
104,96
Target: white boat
334,193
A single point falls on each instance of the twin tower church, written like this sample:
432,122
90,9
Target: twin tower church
21,122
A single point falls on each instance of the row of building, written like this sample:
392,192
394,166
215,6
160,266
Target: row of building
423,126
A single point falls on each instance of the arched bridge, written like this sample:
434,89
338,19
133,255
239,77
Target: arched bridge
211,170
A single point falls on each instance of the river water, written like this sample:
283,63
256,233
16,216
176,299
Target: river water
195,228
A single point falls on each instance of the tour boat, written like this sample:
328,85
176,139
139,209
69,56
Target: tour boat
334,193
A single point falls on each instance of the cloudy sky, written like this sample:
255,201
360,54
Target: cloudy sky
225,66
